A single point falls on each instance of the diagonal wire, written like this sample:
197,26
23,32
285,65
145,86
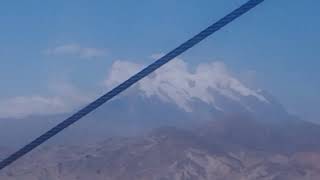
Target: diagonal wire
132,80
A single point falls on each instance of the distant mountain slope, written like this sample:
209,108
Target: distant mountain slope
233,148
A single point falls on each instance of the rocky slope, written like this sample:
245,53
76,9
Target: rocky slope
233,148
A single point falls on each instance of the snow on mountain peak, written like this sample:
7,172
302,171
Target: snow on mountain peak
178,84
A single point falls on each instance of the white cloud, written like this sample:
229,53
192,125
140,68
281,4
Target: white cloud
120,71
176,83
23,106
77,50
65,98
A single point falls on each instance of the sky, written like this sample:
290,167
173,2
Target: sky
46,46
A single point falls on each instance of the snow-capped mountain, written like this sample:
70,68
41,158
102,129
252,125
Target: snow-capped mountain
178,92
199,124
174,95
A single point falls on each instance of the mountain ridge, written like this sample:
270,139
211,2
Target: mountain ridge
221,149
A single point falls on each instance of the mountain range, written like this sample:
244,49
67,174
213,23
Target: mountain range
172,126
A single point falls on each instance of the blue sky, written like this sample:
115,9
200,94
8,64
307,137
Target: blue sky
277,44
